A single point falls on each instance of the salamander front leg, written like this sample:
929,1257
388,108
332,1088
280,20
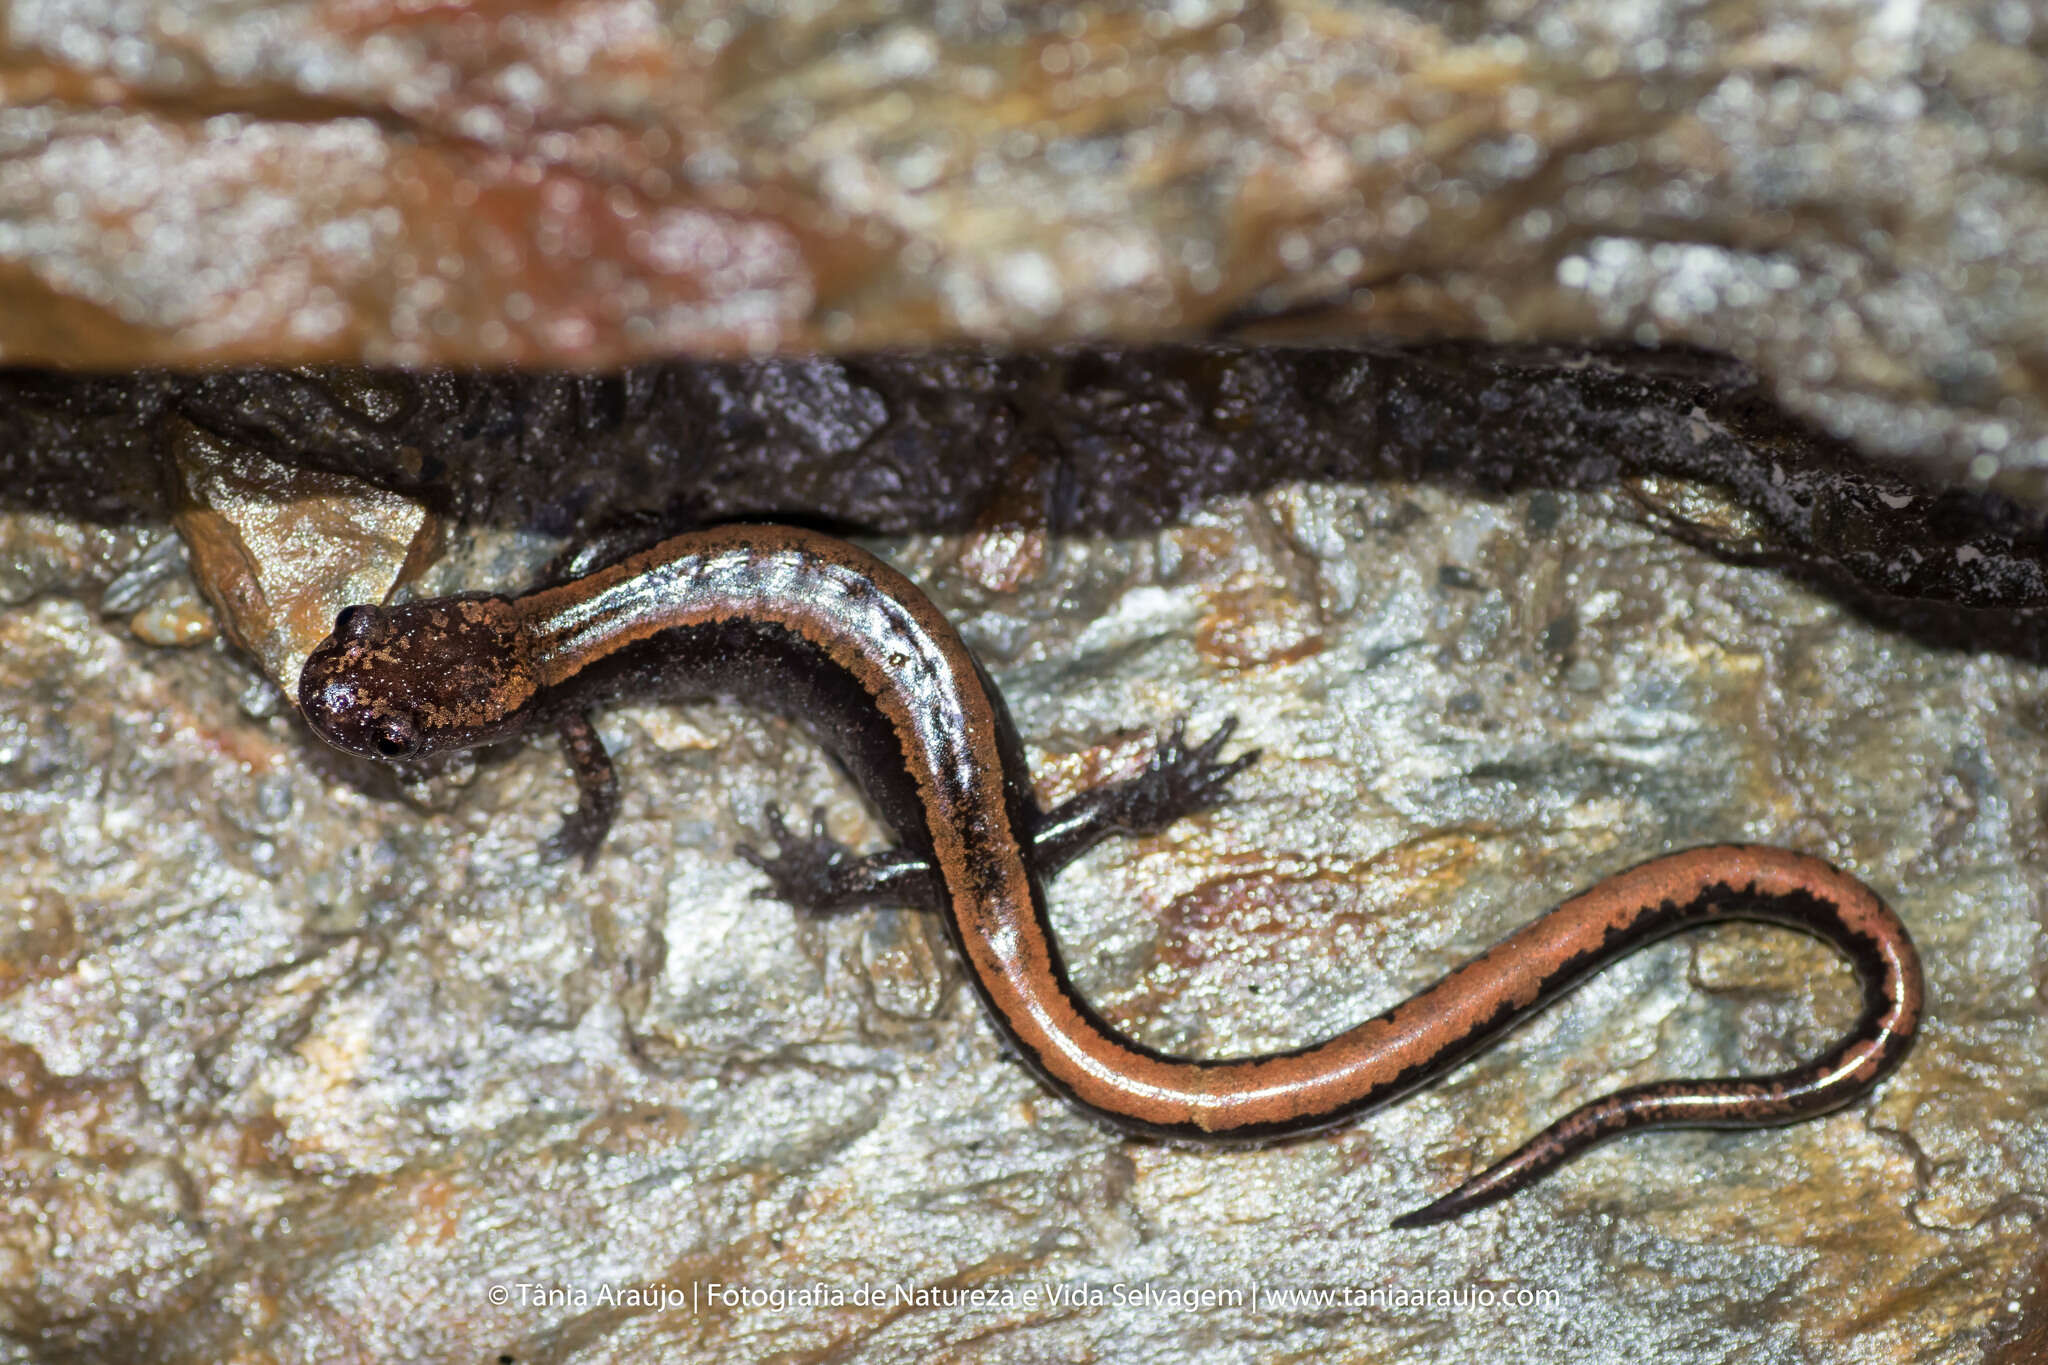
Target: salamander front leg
597,793
820,875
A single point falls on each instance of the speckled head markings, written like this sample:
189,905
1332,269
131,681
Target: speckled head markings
823,630
405,682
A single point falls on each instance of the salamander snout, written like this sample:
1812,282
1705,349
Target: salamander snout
338,713
347,695
397,683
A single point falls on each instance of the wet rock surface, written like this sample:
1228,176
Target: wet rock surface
293,1065
1111,440
1847,198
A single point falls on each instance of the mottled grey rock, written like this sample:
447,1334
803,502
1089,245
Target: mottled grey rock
294,1068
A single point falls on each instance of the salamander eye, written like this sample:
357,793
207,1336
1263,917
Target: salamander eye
353,623
395,737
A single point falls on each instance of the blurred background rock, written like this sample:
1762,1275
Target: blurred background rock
1845,196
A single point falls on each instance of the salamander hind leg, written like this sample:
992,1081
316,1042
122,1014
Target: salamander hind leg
1179,781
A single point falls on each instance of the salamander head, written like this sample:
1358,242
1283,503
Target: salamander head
404,682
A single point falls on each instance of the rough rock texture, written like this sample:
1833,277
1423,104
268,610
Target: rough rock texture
277,548
1087,439
1848,196
293,1067
294,1070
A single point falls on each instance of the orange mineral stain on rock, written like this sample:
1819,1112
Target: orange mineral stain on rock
435,1202
1330,908
1257,626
